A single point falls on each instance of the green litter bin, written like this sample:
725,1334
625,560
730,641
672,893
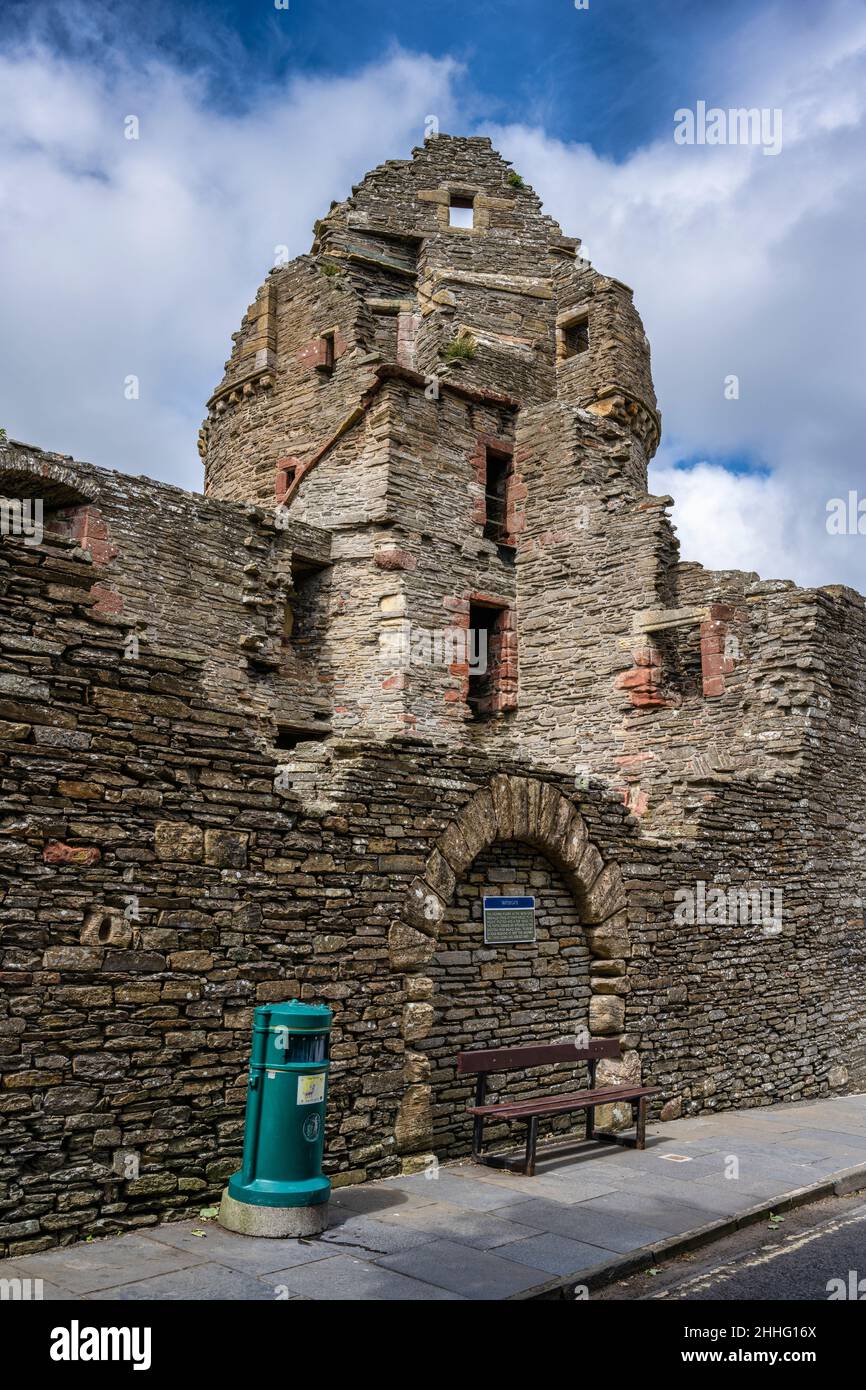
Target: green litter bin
281,1176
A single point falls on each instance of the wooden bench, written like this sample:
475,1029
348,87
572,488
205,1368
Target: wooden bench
531,1110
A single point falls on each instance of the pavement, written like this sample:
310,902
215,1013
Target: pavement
593,1213
812,1254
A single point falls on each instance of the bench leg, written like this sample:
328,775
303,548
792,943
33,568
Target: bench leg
640,1136
478,1138
478,1120
590,1122
531,1143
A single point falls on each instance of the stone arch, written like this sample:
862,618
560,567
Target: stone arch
69,509
58,485
537,813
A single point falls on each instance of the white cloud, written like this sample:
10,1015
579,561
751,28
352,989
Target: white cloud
732,522
122,257
748,265
140,256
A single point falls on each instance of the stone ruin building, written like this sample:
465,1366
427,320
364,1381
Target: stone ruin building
250,752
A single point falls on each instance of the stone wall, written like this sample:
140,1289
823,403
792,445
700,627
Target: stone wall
158,884
204,578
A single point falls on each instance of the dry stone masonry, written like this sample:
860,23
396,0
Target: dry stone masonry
424,637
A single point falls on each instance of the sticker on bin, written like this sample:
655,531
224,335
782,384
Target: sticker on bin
311,1089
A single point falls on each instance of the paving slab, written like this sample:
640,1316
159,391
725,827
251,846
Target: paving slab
655,1211
483,1229
728,1198
459,1186
616,1233
101,1264
552,1254
343,1278
475,1274
561,1186
252,1254
212,1282
47,1291
369,1198
368,1238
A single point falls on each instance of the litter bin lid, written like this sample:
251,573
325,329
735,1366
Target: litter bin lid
294,1016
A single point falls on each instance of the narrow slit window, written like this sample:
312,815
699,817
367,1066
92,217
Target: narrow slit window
492,661
461,212
496,476
304,611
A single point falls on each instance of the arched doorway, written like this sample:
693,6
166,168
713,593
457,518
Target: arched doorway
488,995
536,830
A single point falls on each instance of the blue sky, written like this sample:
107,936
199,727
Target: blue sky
607,75
120,257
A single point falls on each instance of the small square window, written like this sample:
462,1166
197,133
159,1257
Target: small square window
461,212
575,336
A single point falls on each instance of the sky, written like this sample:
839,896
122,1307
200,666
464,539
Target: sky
124,257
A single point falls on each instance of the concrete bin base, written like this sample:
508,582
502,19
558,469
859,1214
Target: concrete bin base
278,1222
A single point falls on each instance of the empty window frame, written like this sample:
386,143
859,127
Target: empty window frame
493,671
461,211
304,613
326,355
497,473
575,336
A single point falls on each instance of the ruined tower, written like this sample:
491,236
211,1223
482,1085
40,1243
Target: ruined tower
380,388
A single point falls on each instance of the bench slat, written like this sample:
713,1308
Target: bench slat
536,1055
577,1100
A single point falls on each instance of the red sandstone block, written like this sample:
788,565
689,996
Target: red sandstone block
395,560
494,600
88,527
647,657
637,801
642,699
644,678
288,470
714,687
712,637
315,354
80,856
107,601
634,760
